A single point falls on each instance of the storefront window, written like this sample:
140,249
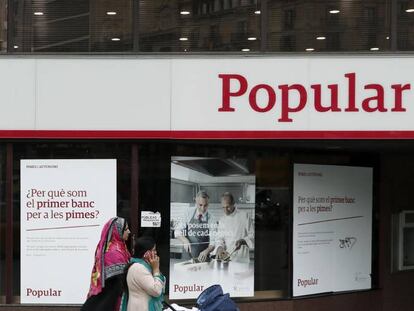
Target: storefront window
273,171
226,168
257,174
273,207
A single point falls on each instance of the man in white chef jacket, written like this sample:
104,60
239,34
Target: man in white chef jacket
235,235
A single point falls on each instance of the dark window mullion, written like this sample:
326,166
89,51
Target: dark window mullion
9,224
134,206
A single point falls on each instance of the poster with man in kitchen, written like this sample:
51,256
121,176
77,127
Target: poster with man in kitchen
211,226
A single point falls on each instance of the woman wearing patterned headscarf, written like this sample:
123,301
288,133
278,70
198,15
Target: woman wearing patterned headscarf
111,257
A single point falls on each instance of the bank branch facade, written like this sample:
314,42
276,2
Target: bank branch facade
316,150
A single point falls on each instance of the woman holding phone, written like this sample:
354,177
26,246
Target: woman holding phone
144,280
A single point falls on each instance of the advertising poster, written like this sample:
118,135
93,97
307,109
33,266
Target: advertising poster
211,226
332,228
64,204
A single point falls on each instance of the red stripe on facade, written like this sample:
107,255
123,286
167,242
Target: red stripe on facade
221,135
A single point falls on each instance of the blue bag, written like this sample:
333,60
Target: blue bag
213,299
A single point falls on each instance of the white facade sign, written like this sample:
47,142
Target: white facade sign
209,97
63,208
332,228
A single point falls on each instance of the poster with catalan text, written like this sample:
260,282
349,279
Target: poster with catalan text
332,228
64,204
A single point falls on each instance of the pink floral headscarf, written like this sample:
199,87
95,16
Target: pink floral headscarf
111,255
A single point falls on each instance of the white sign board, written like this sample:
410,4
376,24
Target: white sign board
150,219
332,228
247,97
64,204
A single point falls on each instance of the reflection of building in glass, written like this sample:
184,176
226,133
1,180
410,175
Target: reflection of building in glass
110,25
227,25
327,25
405,18
3,27
206,25
50,26
71,26
199,25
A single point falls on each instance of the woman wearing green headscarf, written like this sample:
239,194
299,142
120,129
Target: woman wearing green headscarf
145,282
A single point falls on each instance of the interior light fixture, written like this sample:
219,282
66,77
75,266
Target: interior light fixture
183,39
257,12
38,13
309,49
15,46
374,49
320,38
111,13
115,39
411,10
245,50
334,11
252,38
388,38
185,12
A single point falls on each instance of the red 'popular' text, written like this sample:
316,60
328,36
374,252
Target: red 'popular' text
374,103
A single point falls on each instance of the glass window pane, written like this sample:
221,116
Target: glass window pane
272,192
319,26
405,24
71,26
408,248
3,26
202,26
199,26
111,25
